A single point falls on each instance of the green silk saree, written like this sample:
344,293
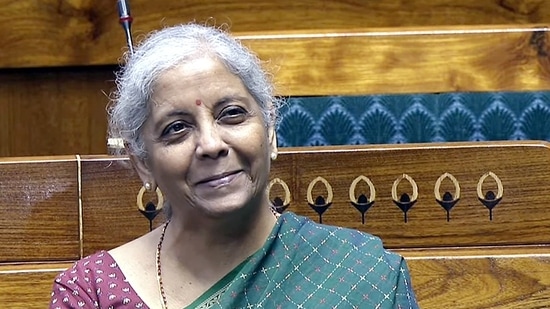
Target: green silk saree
307,265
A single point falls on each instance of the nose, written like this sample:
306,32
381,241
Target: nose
210,142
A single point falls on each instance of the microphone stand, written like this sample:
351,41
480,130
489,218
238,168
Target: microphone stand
126,21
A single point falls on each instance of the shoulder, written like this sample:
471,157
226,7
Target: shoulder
88,270
81,284
93,282
138,250
335,241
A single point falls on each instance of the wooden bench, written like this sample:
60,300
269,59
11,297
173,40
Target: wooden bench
491,249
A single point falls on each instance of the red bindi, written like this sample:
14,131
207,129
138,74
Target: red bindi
198,102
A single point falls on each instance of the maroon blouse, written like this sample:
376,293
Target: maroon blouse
94,282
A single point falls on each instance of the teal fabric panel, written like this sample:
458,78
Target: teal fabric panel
415,118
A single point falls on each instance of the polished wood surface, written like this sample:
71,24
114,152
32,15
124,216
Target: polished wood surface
28,286
480,282
110,206
519,218
59,57
54,112
90,33
389,60
57,63
40,211
66,107
506,256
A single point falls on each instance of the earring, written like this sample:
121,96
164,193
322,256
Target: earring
148,186
273,156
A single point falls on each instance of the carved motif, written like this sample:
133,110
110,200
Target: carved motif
447,201
489,199
362,202
320,205
404,202
279,204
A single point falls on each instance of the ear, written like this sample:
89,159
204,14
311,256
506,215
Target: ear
272,134
143,170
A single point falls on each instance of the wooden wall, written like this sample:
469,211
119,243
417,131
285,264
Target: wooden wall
59,209
57,57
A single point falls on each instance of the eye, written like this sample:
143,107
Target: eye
175,127
233,115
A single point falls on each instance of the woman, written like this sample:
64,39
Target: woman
196,112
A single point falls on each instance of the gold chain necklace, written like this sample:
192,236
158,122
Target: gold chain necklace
159,267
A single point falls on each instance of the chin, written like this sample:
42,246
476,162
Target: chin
230,205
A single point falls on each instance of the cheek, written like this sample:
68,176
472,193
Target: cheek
170,162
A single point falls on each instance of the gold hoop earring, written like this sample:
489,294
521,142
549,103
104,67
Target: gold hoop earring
160,199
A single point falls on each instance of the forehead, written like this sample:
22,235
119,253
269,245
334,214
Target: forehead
205,80
203,76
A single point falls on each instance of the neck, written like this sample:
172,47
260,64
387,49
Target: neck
216,245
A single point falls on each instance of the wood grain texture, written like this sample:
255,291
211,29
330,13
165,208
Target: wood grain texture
520,218
109,193
28,286
91,35
469,261
54,112
66,107
313,47
389,61
108,219
39,207
521,281
506,282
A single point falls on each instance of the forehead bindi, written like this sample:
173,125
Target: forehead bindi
198,102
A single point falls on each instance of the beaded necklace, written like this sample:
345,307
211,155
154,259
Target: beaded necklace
159,265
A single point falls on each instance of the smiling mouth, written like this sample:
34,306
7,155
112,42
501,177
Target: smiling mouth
219,180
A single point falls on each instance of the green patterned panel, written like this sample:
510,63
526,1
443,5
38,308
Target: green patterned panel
390,119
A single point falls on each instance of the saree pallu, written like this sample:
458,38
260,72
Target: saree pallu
308,265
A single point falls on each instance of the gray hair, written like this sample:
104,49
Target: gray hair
165,49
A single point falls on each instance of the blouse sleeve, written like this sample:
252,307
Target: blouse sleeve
71,290
404,296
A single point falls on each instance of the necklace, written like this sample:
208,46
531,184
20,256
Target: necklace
159,269
162,294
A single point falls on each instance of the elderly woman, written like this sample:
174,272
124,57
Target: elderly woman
196,112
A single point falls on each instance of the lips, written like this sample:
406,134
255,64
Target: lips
220,179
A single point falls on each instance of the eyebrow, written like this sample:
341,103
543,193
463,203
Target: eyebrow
182,113
230,98
174,113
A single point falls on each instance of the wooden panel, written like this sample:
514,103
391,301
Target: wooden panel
39,206
520,217
66,107
389,62
110,214
513,281
508,281
28,286
90,32
54,112
5,129
469,261
329,47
